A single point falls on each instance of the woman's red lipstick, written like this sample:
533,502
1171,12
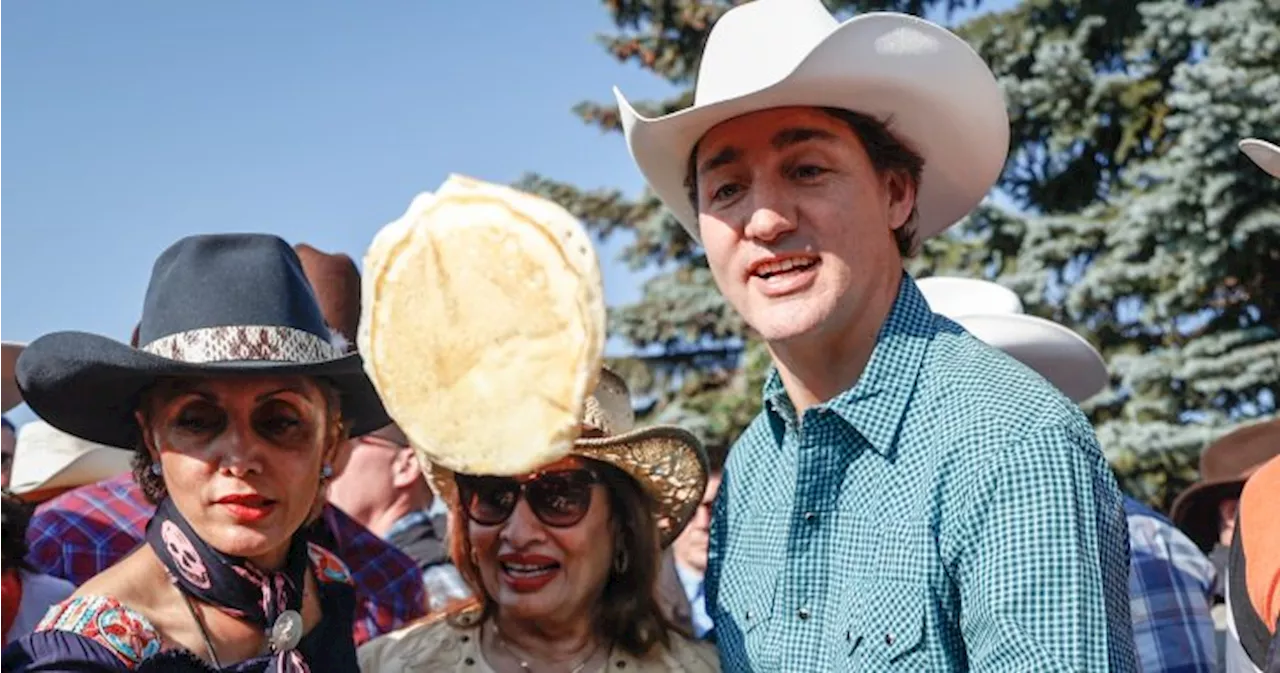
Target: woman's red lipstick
247,507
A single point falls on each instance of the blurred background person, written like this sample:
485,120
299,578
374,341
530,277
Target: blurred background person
27,594
382,487
684,565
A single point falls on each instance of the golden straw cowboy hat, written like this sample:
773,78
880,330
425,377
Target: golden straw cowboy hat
1263,153
668,462
934,92
993,314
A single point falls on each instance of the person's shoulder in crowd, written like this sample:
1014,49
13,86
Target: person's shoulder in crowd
440,640
80,533
1152,536
389,587
450,641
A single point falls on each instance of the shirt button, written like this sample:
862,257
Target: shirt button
748,615
803,613
888,639
811,517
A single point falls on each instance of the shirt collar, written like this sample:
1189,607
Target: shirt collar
885,387
690,579
415,518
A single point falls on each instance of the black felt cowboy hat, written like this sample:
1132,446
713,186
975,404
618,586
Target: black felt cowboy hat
216,305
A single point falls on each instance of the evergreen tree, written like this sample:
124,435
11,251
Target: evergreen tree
1136,221
1148,231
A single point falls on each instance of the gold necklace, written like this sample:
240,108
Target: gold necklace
522,658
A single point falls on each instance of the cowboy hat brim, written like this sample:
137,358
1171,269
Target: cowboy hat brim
667,462
1061,356
1195,510
936,94
12,394
33,474
90,386
1266,155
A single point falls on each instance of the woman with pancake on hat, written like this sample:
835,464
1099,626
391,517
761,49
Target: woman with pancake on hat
236,400
565,560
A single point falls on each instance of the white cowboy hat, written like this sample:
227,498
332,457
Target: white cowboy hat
1263,153
46,460
934,91
993,314
12,395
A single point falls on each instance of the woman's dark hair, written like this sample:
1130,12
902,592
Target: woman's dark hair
629,613
13,533
886,153
152,484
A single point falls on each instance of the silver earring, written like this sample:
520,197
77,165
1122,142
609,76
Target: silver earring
326,472
155,469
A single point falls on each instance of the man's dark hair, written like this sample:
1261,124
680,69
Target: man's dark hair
886,153
14,517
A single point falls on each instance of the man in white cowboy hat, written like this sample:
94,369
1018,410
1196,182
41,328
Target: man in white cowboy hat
1252,642
48,462
1170,580
909,497
12,398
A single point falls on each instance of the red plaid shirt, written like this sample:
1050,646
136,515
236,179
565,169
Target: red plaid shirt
86,530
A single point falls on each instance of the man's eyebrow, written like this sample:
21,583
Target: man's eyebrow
781,140
725,156
793,136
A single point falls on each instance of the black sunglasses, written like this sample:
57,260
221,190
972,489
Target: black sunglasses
559,499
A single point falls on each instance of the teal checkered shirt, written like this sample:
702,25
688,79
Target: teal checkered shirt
950,512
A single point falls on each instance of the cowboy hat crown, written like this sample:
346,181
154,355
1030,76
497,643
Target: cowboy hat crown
994,315
221,304
934,92
230,280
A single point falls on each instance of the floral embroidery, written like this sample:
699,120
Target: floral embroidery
105,621
327,566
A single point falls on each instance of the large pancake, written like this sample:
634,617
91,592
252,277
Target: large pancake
483,326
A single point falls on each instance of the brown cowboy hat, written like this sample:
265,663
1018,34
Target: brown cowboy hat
12,395
336,282
667,462
1224,467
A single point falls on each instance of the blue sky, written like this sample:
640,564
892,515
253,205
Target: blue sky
132,124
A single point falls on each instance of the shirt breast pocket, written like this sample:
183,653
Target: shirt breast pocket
886,628
743,613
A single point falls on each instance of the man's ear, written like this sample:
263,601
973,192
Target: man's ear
405,469
901,190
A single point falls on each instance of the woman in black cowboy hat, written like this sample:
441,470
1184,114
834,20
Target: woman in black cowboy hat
237,400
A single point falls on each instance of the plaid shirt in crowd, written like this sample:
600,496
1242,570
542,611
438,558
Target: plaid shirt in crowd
1170,594
87,530
952,511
